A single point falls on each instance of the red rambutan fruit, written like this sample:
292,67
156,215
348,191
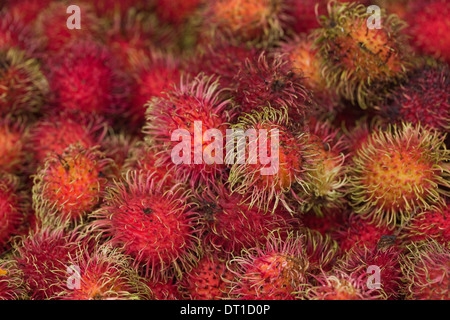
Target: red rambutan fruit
231,225
253,21
341,286
104,274
321,250
275,272
51,25
23,87
187,112
13,137
208,280
329,222
85,77
360,62
157,227
428,26
111,9
424,98
265,80
426,271
72,183
176,11
398,171
357,232
358,260
16,34
43,256
267,182
160,289
14,207
118,147
56,132
10,281
434,224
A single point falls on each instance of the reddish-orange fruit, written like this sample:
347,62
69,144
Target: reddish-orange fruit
275,272
11,281
71,183
51,25
157,227
254,21
14,208
15,33
56,132
426,271
13,137
231,225
104,274
23,87
85,77
428,26
160,289
176,11
43,256
358,261
208,280
398,171
185,113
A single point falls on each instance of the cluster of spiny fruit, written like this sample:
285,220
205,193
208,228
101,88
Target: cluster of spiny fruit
92,205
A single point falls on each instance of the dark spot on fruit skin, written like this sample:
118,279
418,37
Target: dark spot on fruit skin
63,163
147,211
101,174
97,296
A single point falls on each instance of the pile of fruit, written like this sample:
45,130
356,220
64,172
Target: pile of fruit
353,100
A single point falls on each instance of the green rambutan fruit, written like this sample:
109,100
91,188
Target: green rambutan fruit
72,183
275,272
360,63
104,274
23,87
187,112
208,280
426,271
232,225
266,183
158,228
327,174
398,171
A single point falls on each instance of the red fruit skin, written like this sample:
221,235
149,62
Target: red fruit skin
86,78
176,11
161,289
271,81
13,138
331,221
51,25
14,207
322,251
15,33
231,225
56,132
208,280
157,227
424,99
434,224
10,281
429,25
357,261
357,232
192,102
27,10
42,257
